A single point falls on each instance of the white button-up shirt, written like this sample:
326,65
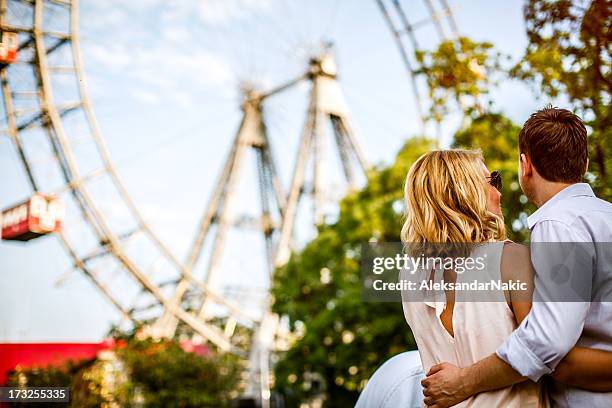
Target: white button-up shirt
552,329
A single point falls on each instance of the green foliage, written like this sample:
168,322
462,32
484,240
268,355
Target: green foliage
459,70
84,392
568,50
165,375
343,339
497,137
569,54
142,373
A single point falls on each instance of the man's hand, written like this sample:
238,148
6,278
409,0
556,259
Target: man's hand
445,386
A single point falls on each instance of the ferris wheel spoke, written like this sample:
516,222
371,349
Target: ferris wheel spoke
93,278
62,70
61,40
134,310
24,94
42,117
65,3
104,250
25,111
60,36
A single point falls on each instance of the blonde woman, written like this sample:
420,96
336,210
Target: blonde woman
451,197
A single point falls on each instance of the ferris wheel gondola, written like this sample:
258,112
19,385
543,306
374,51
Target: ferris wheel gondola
8,47
40,215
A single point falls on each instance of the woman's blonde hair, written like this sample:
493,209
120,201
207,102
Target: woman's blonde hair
446,198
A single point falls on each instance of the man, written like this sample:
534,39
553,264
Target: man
553,160
396,383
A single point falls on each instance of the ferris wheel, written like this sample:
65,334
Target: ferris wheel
47,107
78,195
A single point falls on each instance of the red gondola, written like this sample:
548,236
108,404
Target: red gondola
40,215
8,47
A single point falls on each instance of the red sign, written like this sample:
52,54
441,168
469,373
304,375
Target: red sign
40,215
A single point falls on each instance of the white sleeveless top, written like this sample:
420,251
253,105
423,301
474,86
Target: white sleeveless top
479,328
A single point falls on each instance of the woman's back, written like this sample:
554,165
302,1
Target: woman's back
478,328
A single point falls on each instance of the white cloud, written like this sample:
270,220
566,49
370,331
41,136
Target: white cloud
216,12
146,96
177,34
113,56
160,63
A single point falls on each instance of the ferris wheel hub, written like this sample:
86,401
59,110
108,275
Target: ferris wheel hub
323,65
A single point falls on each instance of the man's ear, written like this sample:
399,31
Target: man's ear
526,165
586,170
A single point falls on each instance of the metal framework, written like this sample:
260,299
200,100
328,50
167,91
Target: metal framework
251,135
326,103
45,97
278,211
55,133
404,30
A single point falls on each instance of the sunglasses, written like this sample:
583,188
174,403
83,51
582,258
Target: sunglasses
495,180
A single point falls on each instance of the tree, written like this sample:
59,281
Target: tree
342,339
68,375
459,73
569,54
141,373
162,374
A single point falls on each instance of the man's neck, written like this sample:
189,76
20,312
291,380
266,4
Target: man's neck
548,190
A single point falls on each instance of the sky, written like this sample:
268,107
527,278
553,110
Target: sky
164,78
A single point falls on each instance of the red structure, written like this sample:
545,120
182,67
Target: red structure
44,354
39,215
8,47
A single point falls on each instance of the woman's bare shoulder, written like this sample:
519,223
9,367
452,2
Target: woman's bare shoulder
514,249
515,261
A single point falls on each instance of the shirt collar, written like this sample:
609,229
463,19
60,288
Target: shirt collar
573,190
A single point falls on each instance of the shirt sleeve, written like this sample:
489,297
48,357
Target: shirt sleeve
556,320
